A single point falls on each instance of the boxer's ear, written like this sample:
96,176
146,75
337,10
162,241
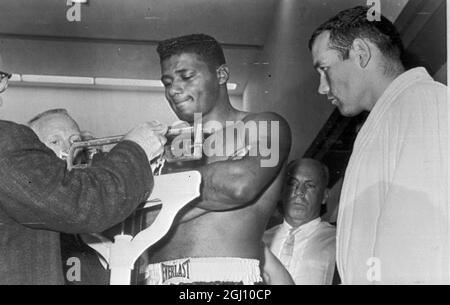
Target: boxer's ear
223,74
361,52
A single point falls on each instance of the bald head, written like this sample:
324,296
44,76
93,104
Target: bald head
56,129
305,191
314,166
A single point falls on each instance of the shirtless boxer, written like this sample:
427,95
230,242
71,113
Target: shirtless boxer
217,239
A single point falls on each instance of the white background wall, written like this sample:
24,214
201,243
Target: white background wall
103,112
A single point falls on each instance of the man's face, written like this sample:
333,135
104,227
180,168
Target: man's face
304,192
190,85
340,80
57,131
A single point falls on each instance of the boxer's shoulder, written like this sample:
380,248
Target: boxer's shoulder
271,119
264,116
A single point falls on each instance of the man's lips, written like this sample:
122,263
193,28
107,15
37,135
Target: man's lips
178,102
299,204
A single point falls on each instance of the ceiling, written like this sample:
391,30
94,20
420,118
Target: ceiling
240,22
116,38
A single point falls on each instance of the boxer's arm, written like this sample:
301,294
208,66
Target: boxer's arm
37,190
233,184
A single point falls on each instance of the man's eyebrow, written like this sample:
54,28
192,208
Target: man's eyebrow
292,177
180,71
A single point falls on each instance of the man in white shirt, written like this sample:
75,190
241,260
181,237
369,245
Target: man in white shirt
303,243
393,222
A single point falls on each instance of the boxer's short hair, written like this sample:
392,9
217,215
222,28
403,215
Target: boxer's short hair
205,46
354,23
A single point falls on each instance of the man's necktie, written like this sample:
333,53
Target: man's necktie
288,249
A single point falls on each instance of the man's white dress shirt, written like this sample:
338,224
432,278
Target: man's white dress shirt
314,251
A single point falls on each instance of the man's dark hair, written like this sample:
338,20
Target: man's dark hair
206,47
354,23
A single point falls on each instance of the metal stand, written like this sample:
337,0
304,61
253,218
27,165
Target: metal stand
174,191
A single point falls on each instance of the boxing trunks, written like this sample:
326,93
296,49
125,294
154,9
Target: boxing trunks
205,270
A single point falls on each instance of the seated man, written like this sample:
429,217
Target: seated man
303,243
217,239
56,129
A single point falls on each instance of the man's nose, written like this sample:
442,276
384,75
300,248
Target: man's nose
301,190
324,88
65,146
175,89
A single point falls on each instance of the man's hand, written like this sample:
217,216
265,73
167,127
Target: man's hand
150,136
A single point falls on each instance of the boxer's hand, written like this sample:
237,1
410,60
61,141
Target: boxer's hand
150,136
180,124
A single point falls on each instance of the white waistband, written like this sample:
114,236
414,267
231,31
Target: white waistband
204,269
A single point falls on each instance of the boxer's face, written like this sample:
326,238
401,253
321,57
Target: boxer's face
304,192
340,80
190,85
57,131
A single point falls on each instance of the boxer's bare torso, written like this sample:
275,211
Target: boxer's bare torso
207,228
236,233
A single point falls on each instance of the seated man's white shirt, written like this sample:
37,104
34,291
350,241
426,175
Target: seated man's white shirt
313,258
393,223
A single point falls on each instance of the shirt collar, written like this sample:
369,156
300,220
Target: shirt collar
307,227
